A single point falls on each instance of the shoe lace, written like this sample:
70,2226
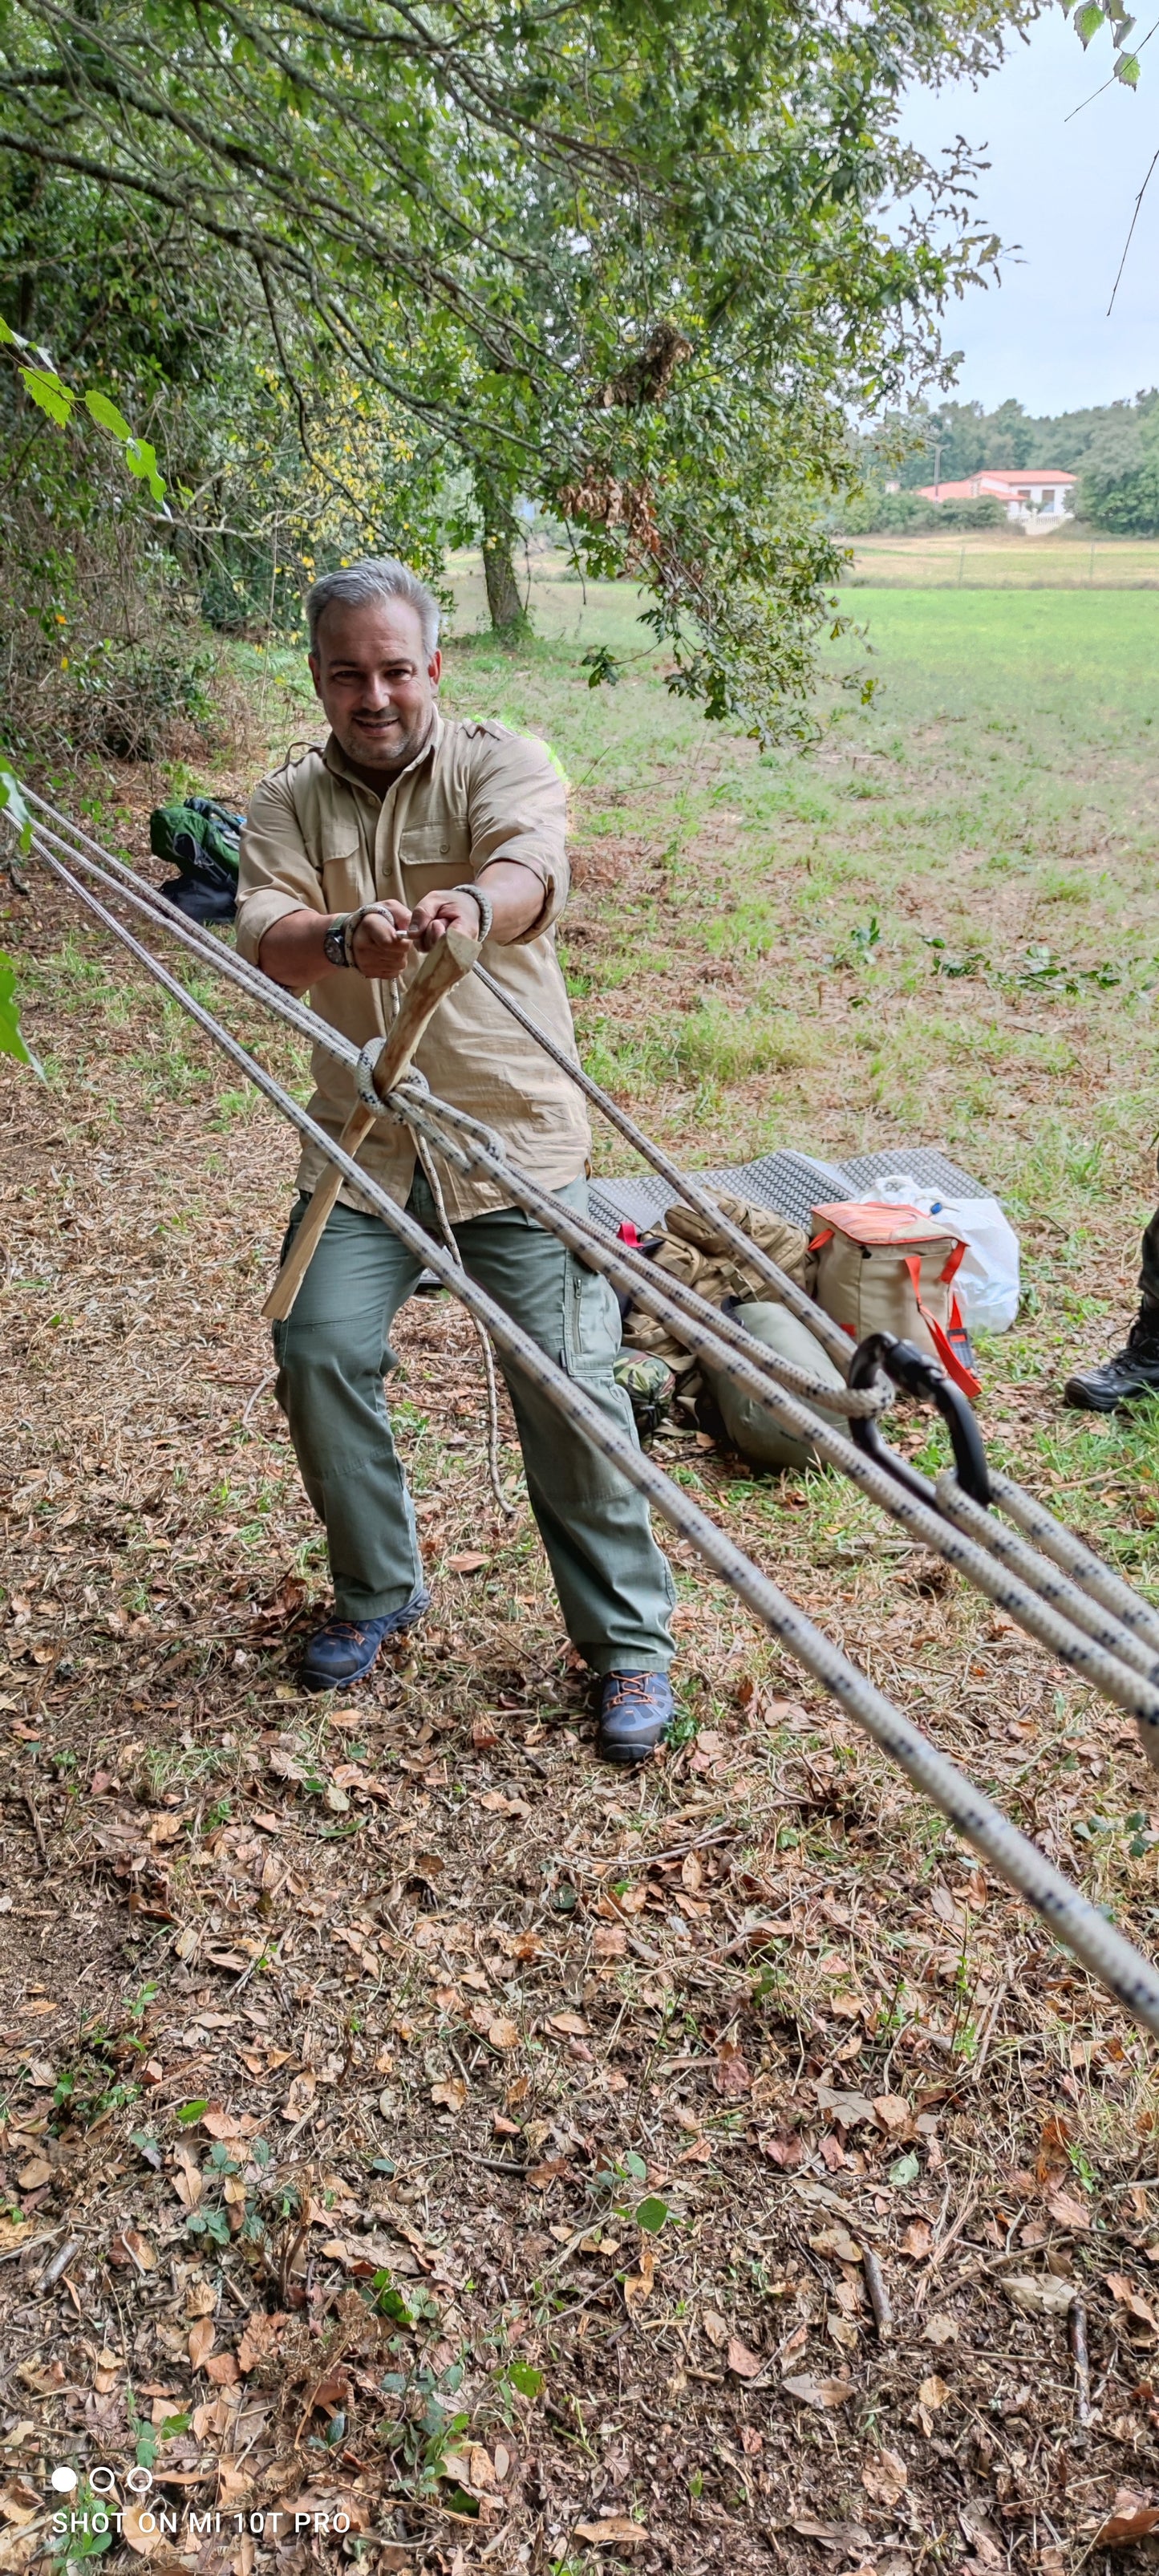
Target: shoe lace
631,1690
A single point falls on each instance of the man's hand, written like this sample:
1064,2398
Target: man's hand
516,895
438,913
380,947
293,955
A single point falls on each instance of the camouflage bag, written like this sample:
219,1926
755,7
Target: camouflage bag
201,839
649,1385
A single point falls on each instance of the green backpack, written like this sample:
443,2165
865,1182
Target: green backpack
202,840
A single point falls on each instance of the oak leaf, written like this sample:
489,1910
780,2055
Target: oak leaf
732,2077
885,2478
1131,2520
819,2392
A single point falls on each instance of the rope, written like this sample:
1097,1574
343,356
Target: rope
145,899
150,901
796,1299
435,1186
1095,1646
1067,1913
742,1358
1077,1560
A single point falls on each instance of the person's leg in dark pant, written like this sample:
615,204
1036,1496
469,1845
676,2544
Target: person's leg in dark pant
333,1351
614,1585
1132,1374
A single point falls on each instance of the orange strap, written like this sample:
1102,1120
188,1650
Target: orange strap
954,1366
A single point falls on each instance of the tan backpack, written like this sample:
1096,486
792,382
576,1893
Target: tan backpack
890,1270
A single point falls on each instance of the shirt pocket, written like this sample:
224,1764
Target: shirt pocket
434,855
347,878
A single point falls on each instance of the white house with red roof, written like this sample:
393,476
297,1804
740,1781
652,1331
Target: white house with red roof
1035,497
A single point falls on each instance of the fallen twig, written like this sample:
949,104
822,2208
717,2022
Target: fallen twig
12,2253
988,2029
879,2299
1077,2337
37,1828
951,2236
60,2263
259,1389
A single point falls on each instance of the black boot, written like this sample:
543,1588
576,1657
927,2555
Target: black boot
1129,1378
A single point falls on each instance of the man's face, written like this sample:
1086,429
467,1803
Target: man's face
375,681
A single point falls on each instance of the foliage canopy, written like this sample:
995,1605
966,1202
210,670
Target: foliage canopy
635,262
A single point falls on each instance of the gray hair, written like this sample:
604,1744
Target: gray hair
378,577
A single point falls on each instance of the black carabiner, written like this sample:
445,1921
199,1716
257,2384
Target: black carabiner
911,1370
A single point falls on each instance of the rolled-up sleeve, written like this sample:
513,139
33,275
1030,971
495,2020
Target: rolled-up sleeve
275,872
517,810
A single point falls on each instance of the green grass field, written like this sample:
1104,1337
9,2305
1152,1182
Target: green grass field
990,560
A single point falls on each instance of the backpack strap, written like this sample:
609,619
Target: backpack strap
952,1360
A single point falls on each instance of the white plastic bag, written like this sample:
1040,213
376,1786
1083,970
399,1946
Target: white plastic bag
987,1282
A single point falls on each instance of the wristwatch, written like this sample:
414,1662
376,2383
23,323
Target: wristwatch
338,940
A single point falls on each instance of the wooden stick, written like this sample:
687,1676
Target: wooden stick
445,964
1077,2337
878,2294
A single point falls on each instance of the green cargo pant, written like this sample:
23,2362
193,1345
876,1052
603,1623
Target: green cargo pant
614,1586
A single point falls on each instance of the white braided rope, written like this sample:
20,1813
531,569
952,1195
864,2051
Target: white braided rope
1068,1914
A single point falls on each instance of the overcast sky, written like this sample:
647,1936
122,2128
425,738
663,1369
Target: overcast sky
1065,192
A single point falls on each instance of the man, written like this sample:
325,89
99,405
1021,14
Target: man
1133,1373
356,858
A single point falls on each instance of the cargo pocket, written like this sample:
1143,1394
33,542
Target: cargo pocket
591,1322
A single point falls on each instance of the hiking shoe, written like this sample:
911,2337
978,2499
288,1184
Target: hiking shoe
1128,1378
344,1650
635,1714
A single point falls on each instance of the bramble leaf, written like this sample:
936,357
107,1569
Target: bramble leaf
106,415
524,2377
47,390
11,1041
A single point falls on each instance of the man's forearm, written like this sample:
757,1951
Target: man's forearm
516,898
292,954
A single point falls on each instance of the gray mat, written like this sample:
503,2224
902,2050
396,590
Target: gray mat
792,1183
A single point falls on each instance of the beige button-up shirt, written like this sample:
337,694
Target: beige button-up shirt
317,838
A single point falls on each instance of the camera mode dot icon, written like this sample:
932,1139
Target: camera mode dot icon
63,2481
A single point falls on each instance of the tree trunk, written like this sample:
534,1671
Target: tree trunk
508,616
500,530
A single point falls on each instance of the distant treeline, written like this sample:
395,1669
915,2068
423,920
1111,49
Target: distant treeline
1112,447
